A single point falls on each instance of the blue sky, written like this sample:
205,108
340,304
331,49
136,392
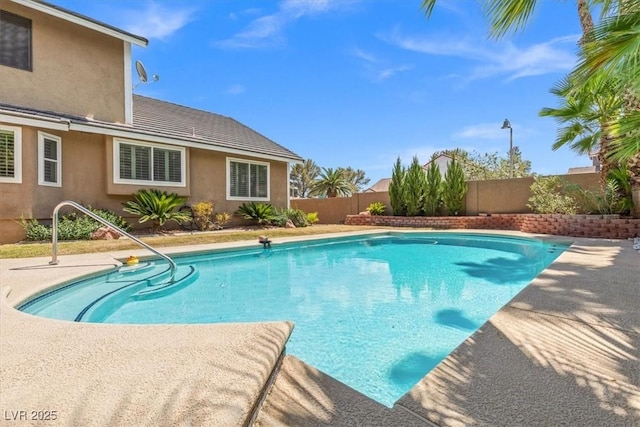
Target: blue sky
358,82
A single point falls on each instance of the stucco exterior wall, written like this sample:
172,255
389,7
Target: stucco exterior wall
75,70
334,210
87,178
208,175
512,195
491,196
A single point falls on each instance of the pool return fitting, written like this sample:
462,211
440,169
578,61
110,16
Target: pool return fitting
265,241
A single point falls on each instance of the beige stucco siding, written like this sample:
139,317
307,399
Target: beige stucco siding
75,70
87,178
208,175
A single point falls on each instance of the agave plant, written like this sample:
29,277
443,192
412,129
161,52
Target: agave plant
262,213
157,206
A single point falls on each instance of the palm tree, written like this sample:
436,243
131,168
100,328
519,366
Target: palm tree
613,45
588,115
508,15
303,175
331,183
616,47
356,177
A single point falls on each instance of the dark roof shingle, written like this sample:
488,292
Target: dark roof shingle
172,120
152,117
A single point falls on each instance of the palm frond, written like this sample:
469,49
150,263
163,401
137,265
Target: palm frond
427,6
505,16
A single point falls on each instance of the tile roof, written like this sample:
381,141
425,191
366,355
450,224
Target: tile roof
172,120
381,185
152,117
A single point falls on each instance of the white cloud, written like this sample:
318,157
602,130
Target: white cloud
496,59
376,71
156,21
236,89
390,72
252,11
365,56
266,31
489,131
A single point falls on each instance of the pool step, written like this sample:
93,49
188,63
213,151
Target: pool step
155,286
185,275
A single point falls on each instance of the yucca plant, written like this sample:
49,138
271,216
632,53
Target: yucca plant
157,206
376,208
262,213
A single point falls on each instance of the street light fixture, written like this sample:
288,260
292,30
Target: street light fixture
507,125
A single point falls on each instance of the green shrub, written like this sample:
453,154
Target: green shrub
202,215
433,190
552,195
608,200
297,217
157,206
312,218
376,208
112,217
221,219
415,182
72,226
34,230
262,213
396,189
454,188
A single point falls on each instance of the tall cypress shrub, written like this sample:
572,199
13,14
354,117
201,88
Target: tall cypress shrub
396,189
454,188
433,190
414,187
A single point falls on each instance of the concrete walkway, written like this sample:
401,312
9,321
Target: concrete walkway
88,374
565,351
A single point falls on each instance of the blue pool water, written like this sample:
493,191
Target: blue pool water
375,312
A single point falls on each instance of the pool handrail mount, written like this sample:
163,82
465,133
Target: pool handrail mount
54,234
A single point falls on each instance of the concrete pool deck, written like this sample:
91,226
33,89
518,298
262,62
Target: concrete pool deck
566,350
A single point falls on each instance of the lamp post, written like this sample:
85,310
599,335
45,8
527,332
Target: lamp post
507,125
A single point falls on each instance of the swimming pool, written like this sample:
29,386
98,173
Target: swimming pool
376,312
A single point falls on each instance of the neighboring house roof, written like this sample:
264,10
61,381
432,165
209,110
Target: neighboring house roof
380,186
163,122
85,21
426,165
582,169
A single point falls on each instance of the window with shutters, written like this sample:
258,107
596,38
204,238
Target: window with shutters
10,154
15,41
49,160
136,163
247,180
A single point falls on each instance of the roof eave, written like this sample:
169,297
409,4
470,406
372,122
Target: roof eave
123,131
82,20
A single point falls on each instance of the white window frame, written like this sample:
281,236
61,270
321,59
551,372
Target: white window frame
17,155
249,162
116,164
41,159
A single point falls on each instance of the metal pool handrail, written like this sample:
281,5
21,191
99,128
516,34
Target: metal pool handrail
54,234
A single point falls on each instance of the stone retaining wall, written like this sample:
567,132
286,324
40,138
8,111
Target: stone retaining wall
598,226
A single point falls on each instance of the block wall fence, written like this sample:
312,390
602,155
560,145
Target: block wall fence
595,226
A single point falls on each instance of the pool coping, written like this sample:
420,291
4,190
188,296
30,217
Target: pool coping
217,372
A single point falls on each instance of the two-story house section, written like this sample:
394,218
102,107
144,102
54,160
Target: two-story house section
71,128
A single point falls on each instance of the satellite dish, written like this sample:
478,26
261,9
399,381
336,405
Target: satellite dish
142,74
